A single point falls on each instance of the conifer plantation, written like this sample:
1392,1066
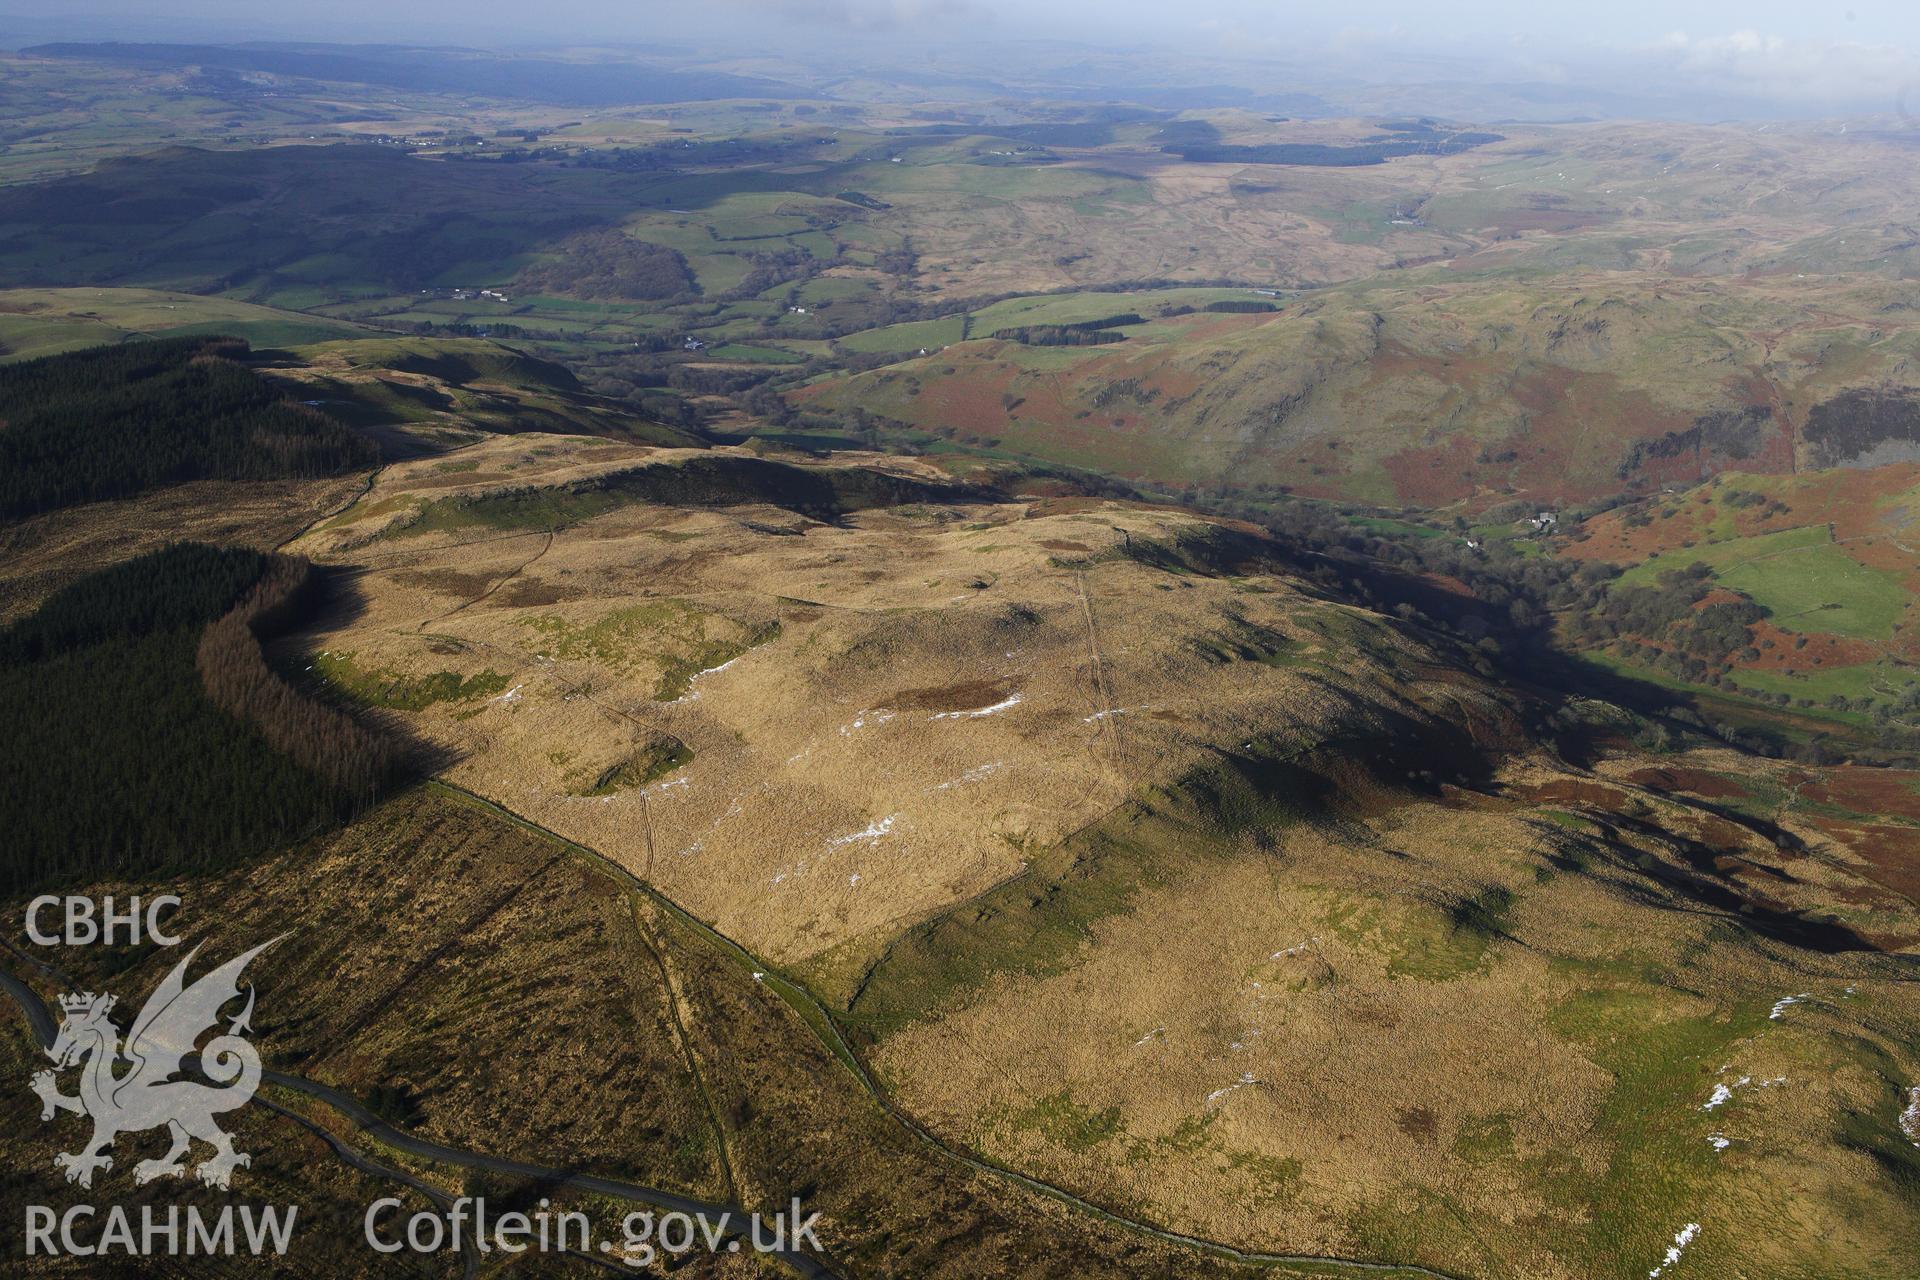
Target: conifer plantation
116,761
109,422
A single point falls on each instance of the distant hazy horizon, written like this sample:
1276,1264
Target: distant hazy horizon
1702,58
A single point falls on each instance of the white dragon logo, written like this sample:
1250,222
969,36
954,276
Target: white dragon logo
147,1096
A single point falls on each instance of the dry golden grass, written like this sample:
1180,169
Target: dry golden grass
1476,1034
1300,1049
520,993
946,687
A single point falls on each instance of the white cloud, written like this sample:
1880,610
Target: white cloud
1780,68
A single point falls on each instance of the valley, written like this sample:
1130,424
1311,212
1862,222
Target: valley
1084,688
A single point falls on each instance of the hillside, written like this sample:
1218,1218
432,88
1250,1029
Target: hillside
416,395
1439,393
1170,682
42,322
1112,843
729,226
111,422
688,1075
1127,857
85,497
1827,559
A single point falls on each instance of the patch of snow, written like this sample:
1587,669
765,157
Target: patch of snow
853,881
1013,700
975,774
861,721
1098,716
873,832
1723,1093
1294,950
710,671
1910,1118
1155,1034
510,696
1781,1005
1681,1239
1719,1141
759,976
693,694
1241,1083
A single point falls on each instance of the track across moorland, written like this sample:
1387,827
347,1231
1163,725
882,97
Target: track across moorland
820,1021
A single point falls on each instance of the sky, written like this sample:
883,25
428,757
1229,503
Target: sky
1849,55
1624,23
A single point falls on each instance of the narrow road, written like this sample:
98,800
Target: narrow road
820,1021
813,1015
41,1020
353,1159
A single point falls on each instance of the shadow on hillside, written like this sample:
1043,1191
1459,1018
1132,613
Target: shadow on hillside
334,598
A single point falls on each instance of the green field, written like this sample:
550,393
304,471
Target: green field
753,354
930,334
1805,581
1078,308
1730,706
1871,680
42,322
